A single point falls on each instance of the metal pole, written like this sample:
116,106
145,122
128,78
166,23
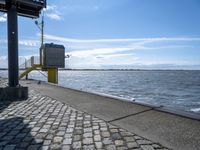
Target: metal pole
13,68
42,30
42,37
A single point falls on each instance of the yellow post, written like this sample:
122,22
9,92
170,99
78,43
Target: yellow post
53,75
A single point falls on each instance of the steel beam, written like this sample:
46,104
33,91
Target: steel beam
13,69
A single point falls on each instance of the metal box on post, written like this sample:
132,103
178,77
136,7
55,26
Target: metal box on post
53,56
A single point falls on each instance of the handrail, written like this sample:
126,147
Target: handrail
31,64
28,70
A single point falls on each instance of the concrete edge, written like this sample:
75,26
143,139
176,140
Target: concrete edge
104,95
160,108
181,113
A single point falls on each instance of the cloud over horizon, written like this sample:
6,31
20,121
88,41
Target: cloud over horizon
3,17
97,53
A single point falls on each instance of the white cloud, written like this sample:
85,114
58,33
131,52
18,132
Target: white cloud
120,49
27,42
95,53
3,61
50,7
161,39
24,42
3,18
100,51
54,16
82,48
53,13
108,56
3,41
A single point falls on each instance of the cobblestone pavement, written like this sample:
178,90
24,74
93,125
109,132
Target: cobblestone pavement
44,123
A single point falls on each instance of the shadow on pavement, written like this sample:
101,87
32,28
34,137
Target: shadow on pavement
15,134
4,105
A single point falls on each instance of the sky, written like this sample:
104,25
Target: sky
115,34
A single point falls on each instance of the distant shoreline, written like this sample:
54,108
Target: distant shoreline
3,69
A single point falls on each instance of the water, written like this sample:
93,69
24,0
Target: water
179,90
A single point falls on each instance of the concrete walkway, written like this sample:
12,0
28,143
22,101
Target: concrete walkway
59,118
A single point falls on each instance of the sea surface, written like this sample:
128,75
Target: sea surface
179,90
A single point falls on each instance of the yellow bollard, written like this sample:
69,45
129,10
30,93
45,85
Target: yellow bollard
53,75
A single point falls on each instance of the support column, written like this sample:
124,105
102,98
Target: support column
53,75
13,68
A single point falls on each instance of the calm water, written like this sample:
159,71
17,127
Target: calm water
176,89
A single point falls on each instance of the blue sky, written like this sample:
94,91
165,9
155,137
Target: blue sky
154,34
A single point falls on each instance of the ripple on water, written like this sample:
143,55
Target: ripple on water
195,110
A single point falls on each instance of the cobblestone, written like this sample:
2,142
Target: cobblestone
44,123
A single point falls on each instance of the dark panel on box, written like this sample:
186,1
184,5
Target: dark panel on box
53,56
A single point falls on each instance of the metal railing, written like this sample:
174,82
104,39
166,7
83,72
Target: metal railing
34,60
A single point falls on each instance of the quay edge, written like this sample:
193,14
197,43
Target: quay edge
170,128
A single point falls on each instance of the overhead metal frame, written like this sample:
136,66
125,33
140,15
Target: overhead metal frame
13,8
26,8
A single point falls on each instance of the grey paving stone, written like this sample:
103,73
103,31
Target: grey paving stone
143,142
43,130
47,124
3,143
77,145
57,139
99,145
116,136
119,142
97,138
111,147
129,139
66,147
44,147
122,148
156,146
49,136
97,132
87,141
88,134
47,142
10,147
114,130
33,147
55,147
105,134
107,141
132,145
23,145
67,141
89,147
68,135
147,147
77,138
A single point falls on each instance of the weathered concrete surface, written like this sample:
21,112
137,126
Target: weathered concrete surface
177,132
105,108
170,130
44,123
